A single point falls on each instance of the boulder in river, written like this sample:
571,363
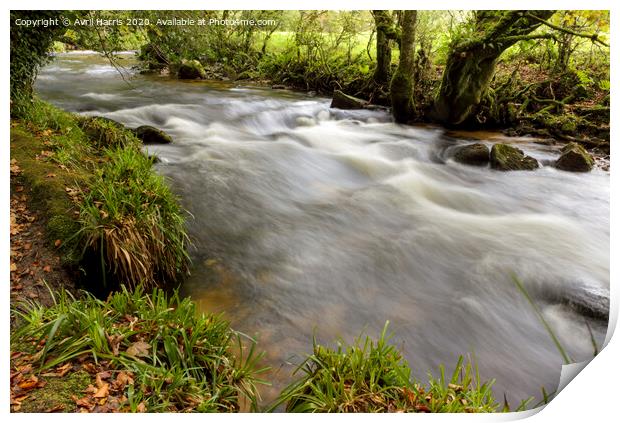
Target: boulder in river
575,158
151,135
507,157
472,154
341,100
191,69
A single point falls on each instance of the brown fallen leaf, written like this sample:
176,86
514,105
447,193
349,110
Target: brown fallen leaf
115,342
47,268
57,243
103,391
13,267
82,402
89,367
18,400
123,379
141,408
138,349
55,409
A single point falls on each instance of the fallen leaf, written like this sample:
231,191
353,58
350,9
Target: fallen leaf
138,349
55,408
90,368
18,400
13,267
57,243
47,268
123,379
103,391
141,408
115,342
82,402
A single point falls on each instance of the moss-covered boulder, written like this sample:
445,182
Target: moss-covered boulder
472,154
507,157
575,158
344,101
105,132
151,135
191,69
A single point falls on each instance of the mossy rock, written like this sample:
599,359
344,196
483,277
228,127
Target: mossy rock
472,154
574,158
151,135
191,69
506,157
105,132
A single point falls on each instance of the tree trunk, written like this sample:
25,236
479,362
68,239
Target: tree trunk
383,22
401,88
471,62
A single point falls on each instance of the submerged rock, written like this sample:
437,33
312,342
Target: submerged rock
151,135
575,158
191,69
344,101
507,157
472,154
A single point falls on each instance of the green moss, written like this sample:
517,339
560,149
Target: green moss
57,392
48,183
401,90
507,157
106,133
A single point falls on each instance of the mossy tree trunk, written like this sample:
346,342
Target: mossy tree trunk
401,87
471,61
386,33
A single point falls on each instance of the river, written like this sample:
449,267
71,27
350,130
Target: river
307,220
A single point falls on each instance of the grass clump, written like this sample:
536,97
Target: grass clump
372,376
132,221
170,357
114,216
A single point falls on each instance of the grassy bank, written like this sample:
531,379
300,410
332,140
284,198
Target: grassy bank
108,210
138,352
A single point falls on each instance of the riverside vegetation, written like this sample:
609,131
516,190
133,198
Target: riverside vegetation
127,341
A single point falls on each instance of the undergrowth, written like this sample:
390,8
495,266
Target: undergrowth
372,376
112,213
174,358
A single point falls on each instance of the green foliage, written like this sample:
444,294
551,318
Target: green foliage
29,51
372,376
132,221
185,361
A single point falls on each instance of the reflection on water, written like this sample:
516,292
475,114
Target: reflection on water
307,220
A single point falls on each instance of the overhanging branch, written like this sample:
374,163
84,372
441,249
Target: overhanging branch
593,37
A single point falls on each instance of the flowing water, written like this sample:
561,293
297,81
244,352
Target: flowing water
309,221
